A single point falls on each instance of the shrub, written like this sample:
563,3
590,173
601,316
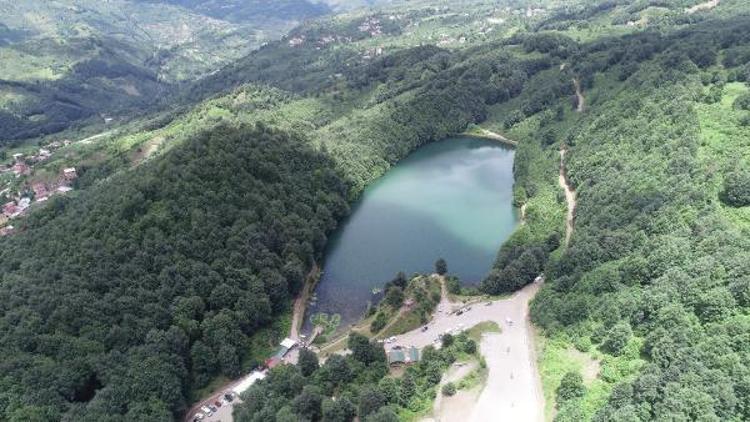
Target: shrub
449,389
379,322
571,387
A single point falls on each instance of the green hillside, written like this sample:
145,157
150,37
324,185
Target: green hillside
81,62
193,227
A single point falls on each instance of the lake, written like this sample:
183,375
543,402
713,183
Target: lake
450,199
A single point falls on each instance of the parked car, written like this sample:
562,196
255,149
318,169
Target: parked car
217,403
198,417
207,410
229,397
213,408
425,328
459,312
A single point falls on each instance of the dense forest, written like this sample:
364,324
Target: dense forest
121,300
116,302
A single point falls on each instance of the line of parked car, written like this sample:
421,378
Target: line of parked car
208,409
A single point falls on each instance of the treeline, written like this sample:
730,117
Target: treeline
116,303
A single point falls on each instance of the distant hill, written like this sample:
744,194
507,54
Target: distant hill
83,61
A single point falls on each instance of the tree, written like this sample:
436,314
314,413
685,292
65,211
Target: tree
400,280
394,297
453,284
340,410
617,338
384,414
470,346
571,387
737,189
365,351
380,321
307,362
447,340
449,389
308,403
441,267
370,400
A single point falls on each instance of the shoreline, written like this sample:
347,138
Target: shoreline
482,133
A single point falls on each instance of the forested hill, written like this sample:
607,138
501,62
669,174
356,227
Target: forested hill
117,301
121,300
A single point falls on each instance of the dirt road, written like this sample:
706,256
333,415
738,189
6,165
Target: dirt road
570,197
579,94
504,398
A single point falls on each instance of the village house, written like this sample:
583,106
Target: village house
10,209
21,169
70,173
18,158
23,204
7,230
40,191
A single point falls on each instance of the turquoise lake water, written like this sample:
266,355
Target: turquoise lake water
450,199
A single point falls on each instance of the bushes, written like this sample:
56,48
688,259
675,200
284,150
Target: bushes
449,389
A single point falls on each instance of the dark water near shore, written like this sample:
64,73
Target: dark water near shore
450,199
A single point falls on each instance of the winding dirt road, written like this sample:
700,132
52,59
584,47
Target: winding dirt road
570,196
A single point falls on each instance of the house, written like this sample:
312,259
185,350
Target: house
70,173
40,190
18,158
273,362
286,345
20,168
24,203
402,356
10,209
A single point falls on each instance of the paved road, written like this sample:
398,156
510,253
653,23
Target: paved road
513,391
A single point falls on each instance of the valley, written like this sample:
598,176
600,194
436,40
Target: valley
226,151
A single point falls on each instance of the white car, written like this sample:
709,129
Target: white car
198,416
207,410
